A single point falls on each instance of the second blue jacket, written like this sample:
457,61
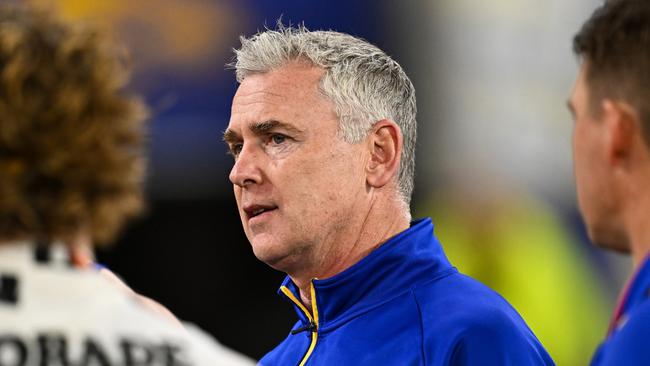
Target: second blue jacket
627,341
405,304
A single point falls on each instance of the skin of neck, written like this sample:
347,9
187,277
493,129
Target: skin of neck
635,217
375,224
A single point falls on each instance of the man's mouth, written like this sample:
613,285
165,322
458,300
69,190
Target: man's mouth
257,210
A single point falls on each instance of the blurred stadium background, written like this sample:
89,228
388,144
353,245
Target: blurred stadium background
494,158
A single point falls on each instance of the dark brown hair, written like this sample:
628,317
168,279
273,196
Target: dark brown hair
614,44
71,140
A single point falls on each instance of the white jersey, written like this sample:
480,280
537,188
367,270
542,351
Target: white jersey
54,314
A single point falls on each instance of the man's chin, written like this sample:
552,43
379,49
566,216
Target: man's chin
609,240
268,251
277,261
275,255
615,247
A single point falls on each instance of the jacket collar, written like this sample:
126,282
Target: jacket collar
636,291
412,257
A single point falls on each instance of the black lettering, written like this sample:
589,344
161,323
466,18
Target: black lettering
172,355
42,253
53,350
13,352
94,354
136,354
9,289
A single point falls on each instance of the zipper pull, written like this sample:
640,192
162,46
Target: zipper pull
311,327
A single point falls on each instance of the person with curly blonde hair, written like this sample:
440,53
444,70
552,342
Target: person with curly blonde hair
71,140
71,171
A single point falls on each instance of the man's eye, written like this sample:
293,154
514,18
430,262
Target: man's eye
235,149
278,139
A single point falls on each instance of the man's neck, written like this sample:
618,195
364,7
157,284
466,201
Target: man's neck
637,220
638,229
375,229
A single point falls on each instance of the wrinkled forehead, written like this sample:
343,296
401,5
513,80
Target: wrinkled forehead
289,92
248,99
296,76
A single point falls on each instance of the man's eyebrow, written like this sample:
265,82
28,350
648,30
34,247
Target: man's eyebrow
260,128
230,136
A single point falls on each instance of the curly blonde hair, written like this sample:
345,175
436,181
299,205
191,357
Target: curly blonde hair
71,141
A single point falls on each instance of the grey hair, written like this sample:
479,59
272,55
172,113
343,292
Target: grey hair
364,84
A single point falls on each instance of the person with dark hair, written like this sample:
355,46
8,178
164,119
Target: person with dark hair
71,170
322,131
610,104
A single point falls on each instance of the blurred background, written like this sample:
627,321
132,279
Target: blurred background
494,156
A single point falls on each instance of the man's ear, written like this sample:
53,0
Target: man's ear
385,144
623,128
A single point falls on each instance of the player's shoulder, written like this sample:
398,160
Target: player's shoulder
464,299
476,320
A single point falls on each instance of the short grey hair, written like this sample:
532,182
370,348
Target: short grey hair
364,84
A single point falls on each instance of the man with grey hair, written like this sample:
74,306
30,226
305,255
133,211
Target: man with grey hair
323,134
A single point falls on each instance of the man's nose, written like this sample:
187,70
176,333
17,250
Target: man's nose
246,170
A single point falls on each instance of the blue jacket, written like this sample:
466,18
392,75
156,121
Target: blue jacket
405,304
627,341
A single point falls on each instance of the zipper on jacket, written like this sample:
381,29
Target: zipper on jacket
313,320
